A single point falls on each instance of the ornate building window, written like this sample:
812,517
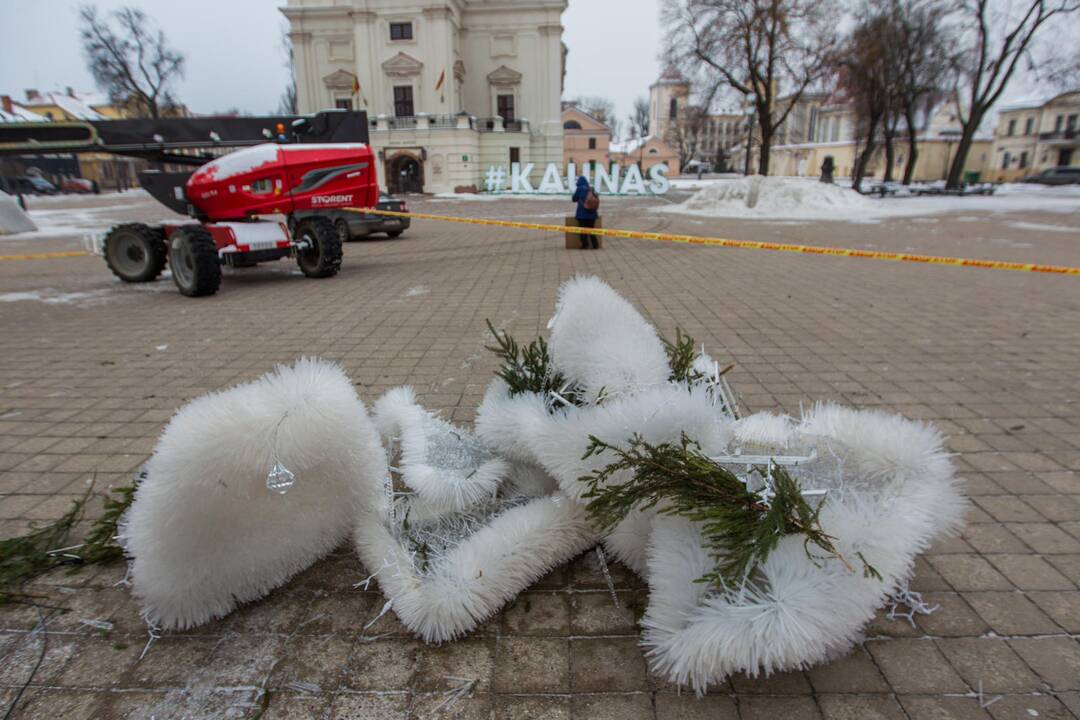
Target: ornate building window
403,101
401,31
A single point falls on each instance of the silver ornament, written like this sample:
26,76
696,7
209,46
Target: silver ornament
280,479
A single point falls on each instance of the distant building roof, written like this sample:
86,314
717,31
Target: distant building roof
18,113
76,104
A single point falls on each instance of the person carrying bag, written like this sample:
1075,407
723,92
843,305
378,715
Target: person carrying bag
588,202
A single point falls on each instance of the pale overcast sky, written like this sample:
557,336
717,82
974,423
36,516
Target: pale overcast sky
235,59
234,56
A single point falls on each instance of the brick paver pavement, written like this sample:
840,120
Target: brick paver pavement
90,370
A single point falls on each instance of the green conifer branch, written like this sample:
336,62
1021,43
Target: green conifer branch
681,356
529,368
24,558
739,528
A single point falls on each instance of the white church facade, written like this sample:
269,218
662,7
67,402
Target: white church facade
450,87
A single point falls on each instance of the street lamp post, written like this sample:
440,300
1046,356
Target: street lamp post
749,133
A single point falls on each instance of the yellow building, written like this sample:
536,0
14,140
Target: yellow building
645,153
586,140
1035,136
935,157
110,172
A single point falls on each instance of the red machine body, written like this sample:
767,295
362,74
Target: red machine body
275,179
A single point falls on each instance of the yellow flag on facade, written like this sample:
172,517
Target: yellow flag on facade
442,79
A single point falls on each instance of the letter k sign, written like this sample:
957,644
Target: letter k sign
519,178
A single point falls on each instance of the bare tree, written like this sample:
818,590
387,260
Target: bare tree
759,48
686,133
287,104
866,80
600,108
134,63
1063,70
995,35
639,118
918,39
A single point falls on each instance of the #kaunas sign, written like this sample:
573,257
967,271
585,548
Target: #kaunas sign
557,182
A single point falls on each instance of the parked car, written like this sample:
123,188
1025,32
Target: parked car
1056,176
353,225
28,185
76,185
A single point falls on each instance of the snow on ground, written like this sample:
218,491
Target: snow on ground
1043,227
774,198
103,198
689,182
77,222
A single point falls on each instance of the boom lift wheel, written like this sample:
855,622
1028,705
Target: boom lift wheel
135,252
193,258
319,254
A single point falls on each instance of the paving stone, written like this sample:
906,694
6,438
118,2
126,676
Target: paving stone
969,572
1044,707
1006,508
860,707
527,665
930,707
765,707
783,683
606,665
317,661
853,673
1029,572
170,662
1067,565
612,707
1062,607
689,707
952,618
990,662
447,666
538,613
384,664
1011,613
348,706
50,703
915,666
296,707
510,707
1056,660
994,538
595,613
439,705
1044,538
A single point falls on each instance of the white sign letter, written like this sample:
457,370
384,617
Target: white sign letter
658,183
552,183
519,178
603,178
633,182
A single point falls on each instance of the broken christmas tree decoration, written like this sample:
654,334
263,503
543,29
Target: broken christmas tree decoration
767,542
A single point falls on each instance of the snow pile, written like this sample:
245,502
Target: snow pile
773,197
1020,188
12,218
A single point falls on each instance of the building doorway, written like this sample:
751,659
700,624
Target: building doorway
404,174
1065,157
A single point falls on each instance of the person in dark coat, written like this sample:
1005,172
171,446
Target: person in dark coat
585,217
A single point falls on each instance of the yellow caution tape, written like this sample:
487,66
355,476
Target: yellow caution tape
46,255
749,244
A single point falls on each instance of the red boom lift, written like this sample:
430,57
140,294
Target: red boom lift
230,196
